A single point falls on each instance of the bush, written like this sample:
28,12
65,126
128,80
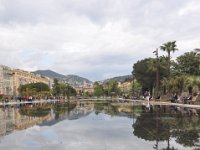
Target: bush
198,99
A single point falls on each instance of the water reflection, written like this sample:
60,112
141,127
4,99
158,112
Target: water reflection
160,123
85,124
15,117
163,123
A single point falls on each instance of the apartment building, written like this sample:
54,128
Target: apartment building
6,80
11,79
85,88
21,77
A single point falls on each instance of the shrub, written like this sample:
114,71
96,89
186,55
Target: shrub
198,99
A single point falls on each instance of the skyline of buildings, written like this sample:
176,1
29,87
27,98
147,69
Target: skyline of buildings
11,79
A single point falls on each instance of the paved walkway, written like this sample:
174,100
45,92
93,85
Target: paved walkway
27,102
129,100
175,104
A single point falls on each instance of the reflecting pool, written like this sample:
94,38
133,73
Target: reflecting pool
99,125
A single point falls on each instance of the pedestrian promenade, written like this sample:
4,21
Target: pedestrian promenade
27,102
123,101
175,104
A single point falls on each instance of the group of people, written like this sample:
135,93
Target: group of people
183,98
174,98
4,100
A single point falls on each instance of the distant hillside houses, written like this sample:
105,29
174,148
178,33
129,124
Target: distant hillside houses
125,86
124,82
85,88
11,79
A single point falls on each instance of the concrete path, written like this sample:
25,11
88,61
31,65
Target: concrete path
120,100
27,102
175,104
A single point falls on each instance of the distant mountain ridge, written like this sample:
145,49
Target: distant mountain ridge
74,80
77,80
50,74
119,78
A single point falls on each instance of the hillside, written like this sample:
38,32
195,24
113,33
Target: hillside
71,79
119,78
50,74
76,79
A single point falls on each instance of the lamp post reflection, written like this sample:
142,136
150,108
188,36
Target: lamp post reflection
157,126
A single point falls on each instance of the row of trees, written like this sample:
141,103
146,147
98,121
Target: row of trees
109,89
43,90
61,89
162,75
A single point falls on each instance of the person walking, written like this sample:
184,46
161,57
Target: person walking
147,95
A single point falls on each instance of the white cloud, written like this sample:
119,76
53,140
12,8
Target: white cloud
192,7
94,39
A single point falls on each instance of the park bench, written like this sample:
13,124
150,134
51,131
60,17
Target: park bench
189,99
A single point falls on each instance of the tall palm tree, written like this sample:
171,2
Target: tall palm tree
169,47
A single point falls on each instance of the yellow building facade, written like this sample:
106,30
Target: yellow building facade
6,80
11,79
21,77
125,86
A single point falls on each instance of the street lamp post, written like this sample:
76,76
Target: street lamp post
157,73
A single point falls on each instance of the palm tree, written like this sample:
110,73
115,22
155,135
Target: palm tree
169,47
182,82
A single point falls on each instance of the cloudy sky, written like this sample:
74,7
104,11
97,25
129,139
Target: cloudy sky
96,39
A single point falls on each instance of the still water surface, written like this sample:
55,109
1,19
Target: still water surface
98,125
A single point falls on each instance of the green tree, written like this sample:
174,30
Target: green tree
69,91
98,89
144,73
61,89
33,89
187,64
136,88
176,84
169,47
193,84
56,88
112,88
197,50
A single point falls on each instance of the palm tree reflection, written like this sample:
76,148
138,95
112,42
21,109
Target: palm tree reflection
161,123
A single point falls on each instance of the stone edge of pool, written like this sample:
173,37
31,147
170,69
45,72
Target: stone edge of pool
113,100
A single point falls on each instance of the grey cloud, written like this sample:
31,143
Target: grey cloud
21,11
98,67
95,38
